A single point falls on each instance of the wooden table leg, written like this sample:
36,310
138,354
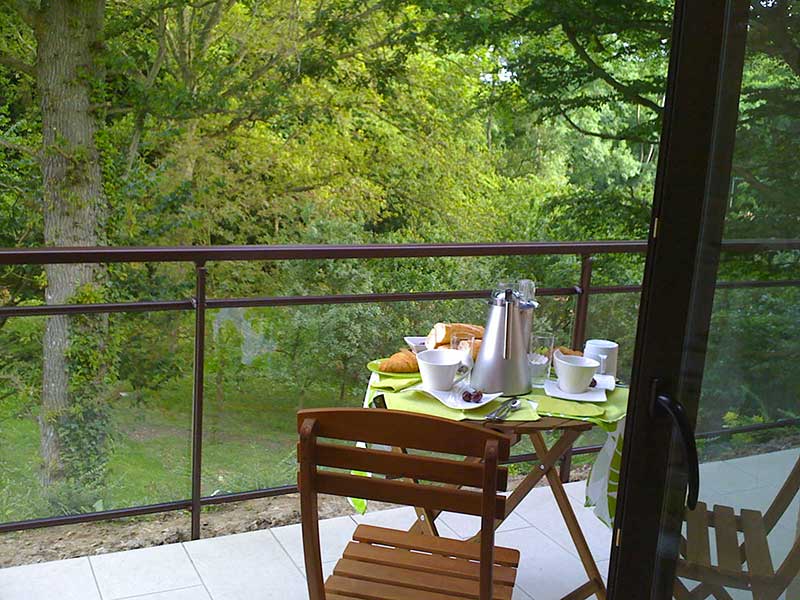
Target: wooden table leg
426,517
595,583
524,487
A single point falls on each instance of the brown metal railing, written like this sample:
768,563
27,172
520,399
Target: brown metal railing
200,256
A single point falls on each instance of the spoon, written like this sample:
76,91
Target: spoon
509,408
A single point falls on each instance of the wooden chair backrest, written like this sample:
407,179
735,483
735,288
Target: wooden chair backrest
405,431
784,498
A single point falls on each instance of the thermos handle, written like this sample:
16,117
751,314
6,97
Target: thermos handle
507,324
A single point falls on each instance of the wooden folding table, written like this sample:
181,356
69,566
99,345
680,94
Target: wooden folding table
548,459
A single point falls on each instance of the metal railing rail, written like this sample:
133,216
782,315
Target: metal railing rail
200,303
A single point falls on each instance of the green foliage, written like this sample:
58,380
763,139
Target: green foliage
83,426
362,121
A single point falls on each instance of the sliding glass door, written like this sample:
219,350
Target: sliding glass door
717,364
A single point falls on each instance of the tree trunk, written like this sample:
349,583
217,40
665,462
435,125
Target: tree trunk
68,36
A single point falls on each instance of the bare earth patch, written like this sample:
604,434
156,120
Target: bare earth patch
70,541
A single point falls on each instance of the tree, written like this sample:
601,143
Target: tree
68,40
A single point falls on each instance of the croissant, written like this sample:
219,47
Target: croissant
400,362
442,332
568,351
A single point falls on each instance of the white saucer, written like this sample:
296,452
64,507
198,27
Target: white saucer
452,398
595,394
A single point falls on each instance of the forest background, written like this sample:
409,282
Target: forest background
175,122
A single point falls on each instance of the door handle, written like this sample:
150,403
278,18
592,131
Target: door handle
678,414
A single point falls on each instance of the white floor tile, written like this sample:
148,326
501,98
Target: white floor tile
145,571
519,594
576,490
394,518
466,526
546,570
63,579
334,534
246,566
192,593
603,566
724,477
539,509
768,469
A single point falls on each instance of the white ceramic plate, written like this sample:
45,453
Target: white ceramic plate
416,342
596,394
452,398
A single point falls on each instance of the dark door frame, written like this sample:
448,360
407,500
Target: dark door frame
695,157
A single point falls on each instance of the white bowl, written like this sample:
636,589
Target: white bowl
438,367
416,343
574,373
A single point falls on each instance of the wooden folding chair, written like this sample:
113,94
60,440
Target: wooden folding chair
759,577
386,564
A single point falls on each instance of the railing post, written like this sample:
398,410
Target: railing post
582,307
199,303
565,468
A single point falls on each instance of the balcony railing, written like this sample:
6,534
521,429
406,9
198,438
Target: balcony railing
199,303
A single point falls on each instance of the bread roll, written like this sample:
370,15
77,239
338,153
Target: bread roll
442,332
404,361
569,351
476,346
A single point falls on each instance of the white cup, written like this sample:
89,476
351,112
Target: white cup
605,352
438,367
574,373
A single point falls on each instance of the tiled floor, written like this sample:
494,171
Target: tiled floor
268,564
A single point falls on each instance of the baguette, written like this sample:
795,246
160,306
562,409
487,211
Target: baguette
442,332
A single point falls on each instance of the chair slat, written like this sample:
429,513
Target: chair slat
404,492
368,590
427,582
428,563
435,545
405,430
405,465
727,541
698,549
756,547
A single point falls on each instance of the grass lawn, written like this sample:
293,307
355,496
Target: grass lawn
249,442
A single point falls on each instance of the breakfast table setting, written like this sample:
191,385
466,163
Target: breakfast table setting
510,378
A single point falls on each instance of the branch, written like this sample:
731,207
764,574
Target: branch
750,178
17,64
26,10
603,136
623,89
771,33
22,149
313,186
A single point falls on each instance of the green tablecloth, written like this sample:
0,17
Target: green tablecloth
420,402
604,414
601,489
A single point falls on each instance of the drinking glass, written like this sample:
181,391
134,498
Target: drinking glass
464,343
540,357
527,289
